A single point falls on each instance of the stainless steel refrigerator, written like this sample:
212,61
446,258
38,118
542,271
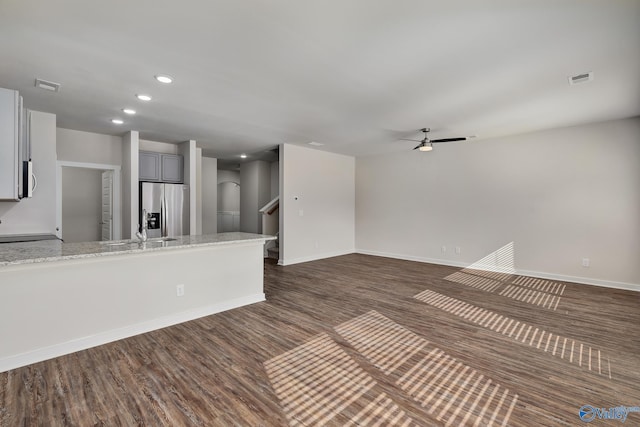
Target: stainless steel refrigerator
167,207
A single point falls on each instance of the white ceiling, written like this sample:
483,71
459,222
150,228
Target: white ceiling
355,75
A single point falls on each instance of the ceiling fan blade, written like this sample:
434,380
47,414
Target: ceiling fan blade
448,140
417,146
413,140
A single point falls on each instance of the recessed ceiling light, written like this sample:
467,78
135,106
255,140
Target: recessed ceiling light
316,144
243,156
117,121
163,78
129,111
143,97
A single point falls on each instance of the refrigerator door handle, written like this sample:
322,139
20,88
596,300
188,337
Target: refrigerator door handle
163,214
162,219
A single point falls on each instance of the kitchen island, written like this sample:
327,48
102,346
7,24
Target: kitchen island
58,298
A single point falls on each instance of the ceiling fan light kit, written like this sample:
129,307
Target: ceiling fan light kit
426,143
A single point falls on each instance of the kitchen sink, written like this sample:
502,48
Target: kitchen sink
161,239
135,241
118,243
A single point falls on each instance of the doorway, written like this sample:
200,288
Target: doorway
88,202
228,206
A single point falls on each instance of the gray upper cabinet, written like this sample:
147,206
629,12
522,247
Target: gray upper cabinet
171,170
160,167
149,166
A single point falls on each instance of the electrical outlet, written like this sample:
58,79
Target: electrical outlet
585,262
444,249
458,250
179,290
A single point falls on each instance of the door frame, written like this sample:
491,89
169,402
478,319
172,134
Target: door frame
117,211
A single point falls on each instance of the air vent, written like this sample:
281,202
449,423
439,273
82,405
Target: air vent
47,85
581,78
316,144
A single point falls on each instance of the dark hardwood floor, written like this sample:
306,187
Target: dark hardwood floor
358,340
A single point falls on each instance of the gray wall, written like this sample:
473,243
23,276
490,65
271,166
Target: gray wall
560,196
255,184
81,204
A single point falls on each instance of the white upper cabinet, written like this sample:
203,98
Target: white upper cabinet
10,156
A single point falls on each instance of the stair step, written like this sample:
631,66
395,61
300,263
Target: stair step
274,252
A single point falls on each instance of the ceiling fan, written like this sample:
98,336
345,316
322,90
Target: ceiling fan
425,143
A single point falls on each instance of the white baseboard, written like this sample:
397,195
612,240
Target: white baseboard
581,280
414,258
84,343
314,257
538,274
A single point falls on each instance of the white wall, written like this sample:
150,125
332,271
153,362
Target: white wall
320,223
227,175
198,191
87,147
81,204
84,148
228,191
36,215
159,147
188,150
255,192
229,196
228,207
560,195
130,185
209,195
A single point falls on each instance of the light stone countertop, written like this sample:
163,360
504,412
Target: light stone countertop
56,250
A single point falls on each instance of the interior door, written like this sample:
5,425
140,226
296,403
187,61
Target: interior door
106,221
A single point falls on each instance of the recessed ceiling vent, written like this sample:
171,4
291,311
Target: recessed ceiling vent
581,78
316,144
47,85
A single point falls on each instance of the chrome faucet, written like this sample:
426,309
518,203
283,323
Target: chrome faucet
142,234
